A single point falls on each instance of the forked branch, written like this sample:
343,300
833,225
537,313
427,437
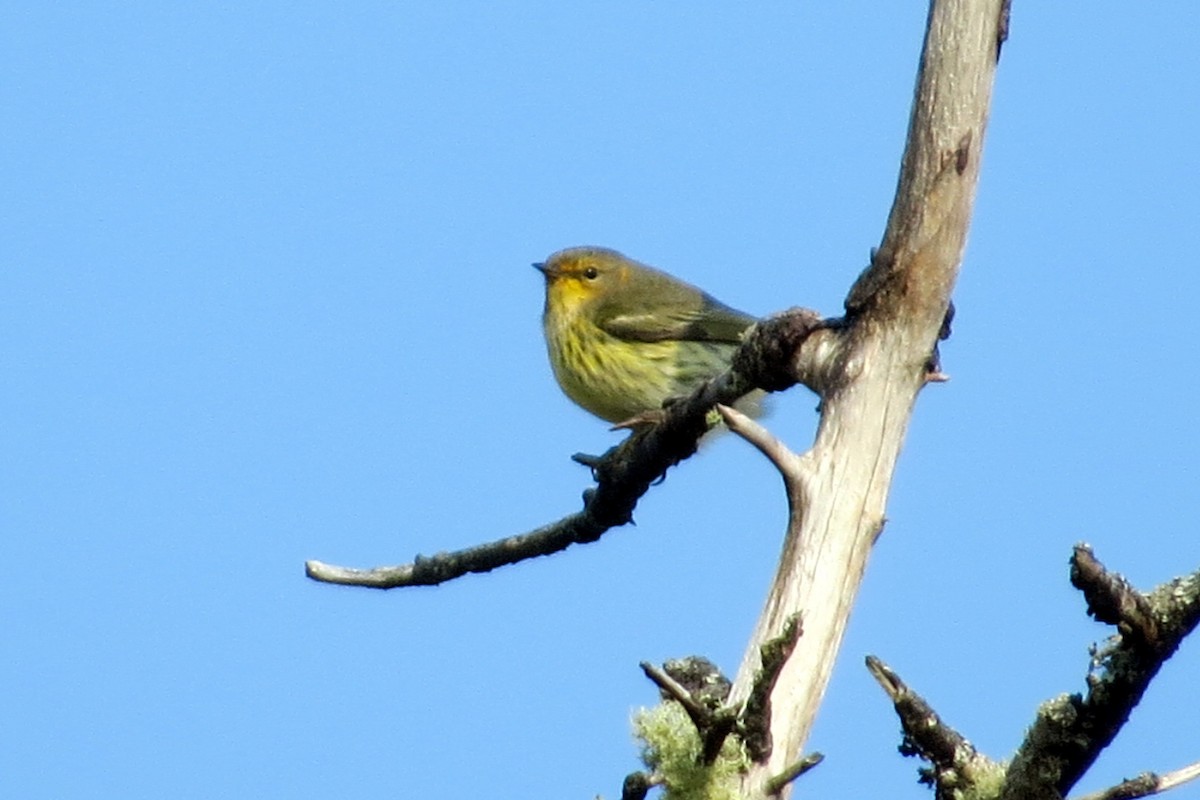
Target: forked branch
884,353
1070,731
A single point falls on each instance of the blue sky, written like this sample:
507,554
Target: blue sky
266,297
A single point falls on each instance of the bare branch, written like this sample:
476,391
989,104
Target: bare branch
1111,599
875,362
957,766
763,440
1071,730
776,784
700,715
625,472
756,713
700,688
1146,784
442,567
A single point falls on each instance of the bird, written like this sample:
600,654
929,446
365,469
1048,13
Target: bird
624,338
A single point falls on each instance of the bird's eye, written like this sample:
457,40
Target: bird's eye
591,273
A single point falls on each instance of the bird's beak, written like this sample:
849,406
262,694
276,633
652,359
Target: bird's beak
541,267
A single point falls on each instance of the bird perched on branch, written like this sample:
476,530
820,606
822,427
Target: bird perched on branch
624,337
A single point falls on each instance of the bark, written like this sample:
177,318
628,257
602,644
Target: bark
869,371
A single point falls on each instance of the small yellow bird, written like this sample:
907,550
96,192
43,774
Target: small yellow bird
624,337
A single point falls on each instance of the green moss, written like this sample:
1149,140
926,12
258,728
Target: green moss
987,781
671,749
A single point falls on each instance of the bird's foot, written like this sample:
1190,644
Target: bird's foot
641,421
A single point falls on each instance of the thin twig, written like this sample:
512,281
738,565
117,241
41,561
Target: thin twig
766,442
1146,784
776,784
701,717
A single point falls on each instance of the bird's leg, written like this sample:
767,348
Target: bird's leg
641,420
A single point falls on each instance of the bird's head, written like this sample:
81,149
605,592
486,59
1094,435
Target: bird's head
580,276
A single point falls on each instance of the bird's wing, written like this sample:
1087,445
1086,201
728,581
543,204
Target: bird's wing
711,322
